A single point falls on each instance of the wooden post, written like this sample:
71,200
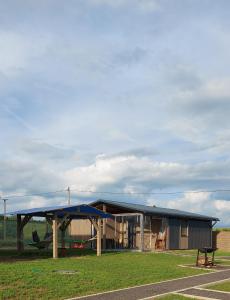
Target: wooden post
115,232
94,233
55,237
20,245
141,232
122,231
150,234
99,237
104,228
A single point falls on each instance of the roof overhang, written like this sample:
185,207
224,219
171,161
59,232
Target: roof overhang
74,212
156,211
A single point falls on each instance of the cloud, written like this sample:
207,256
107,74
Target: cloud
115,95
39,168
201,203
144,5
18,51
147,173
211,97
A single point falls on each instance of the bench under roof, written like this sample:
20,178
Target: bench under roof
60,217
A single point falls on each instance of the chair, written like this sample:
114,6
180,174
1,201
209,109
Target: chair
161,241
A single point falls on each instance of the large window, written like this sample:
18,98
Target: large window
184,228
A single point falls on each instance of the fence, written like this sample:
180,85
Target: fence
221,240
8,238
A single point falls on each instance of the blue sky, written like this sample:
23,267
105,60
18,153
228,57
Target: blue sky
121,96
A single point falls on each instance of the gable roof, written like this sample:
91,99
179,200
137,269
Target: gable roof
74,211
153,210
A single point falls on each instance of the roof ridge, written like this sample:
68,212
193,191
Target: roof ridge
155,209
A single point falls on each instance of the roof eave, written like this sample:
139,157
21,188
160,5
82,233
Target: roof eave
195,217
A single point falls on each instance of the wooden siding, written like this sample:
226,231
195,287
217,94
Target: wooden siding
221,240
183,242
199,234
81,229
174,233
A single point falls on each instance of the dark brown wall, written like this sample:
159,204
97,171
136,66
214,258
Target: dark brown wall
199,234
174,233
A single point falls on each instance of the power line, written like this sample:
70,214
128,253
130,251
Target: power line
117,193
35,194
151,193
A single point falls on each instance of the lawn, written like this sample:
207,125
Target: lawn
194,252
32,277
223,286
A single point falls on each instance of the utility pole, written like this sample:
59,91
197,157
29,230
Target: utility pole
68,190
4,208
69,227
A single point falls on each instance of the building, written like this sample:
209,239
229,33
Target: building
144,228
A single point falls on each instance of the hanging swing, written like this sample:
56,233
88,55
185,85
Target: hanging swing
37,242
80,244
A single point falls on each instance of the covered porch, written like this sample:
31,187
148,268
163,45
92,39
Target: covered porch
60,217
134,230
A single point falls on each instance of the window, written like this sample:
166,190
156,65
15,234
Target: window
184,228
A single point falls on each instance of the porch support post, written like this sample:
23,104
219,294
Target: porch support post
55,237
122,231
99,237
20,246
93,233
142,232
150,234
115,232
104,228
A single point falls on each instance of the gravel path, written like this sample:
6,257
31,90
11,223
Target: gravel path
156,289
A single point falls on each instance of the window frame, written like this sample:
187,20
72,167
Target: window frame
183,229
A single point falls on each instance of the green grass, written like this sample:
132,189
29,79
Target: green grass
224,286
222,229
222,262
194,252
11,230
174,297
30,277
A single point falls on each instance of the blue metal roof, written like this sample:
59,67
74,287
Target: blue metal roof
153,210
75,211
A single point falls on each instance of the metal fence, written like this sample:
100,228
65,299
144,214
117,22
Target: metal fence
8,231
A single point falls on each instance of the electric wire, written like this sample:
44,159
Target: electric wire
117,193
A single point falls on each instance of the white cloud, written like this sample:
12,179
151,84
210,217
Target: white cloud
145,5
191,202
98,76
202,203
128,173
222,205
18,51
118,169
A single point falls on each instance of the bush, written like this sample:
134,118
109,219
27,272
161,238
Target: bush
221,229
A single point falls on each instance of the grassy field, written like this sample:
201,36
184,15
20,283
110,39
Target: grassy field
11,230
36,277
224,286
194,252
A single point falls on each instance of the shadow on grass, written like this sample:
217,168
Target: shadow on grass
12,255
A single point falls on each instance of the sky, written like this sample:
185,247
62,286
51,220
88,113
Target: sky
125,96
